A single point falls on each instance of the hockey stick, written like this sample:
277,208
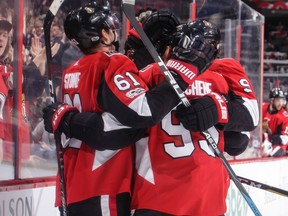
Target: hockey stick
232,174
263,186
47,26
128,8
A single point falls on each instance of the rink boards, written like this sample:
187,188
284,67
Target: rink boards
37,199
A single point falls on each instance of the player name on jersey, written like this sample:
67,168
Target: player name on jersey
199,88
71,80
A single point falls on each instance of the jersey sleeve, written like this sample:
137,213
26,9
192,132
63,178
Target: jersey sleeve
127,96
103,131
241,94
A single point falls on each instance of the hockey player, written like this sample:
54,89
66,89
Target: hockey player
234,149
176,171
275,124
104,80
242,103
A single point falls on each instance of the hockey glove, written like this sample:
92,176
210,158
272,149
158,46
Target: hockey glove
236,142
203,113
278,139
57,117
266,148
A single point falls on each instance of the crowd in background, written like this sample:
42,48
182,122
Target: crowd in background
37,143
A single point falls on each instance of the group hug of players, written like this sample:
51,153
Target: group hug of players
130,146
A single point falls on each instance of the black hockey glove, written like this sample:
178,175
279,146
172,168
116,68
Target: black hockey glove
203,113
235,142
57,117
279,139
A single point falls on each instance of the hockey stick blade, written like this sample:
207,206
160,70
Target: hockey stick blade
47,26
262,186
128,8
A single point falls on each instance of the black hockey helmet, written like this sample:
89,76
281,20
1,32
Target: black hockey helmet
199,36
199,27
83,25
276,93
158,26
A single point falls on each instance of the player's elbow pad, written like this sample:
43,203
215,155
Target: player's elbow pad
241,118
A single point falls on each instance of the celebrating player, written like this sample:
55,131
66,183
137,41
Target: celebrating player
233,149
106,81
176,171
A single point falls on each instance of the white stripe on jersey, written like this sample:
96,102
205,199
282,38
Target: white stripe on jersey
252,106
247,133
143,161
105,205
140,106
111,123
102,157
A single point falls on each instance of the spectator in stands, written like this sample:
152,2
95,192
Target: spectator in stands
6,73
275,124
58,36
278,35
43,144
34,73
5,28
35,30
33,86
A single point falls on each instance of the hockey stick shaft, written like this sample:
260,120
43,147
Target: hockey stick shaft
128,8
262,186
47,26
232,174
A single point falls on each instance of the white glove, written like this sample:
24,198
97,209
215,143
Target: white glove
266,146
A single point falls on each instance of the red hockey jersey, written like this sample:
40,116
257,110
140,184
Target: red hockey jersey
105,81
277,122
176,171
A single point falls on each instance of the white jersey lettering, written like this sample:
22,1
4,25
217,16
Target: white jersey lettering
71,80
199,88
